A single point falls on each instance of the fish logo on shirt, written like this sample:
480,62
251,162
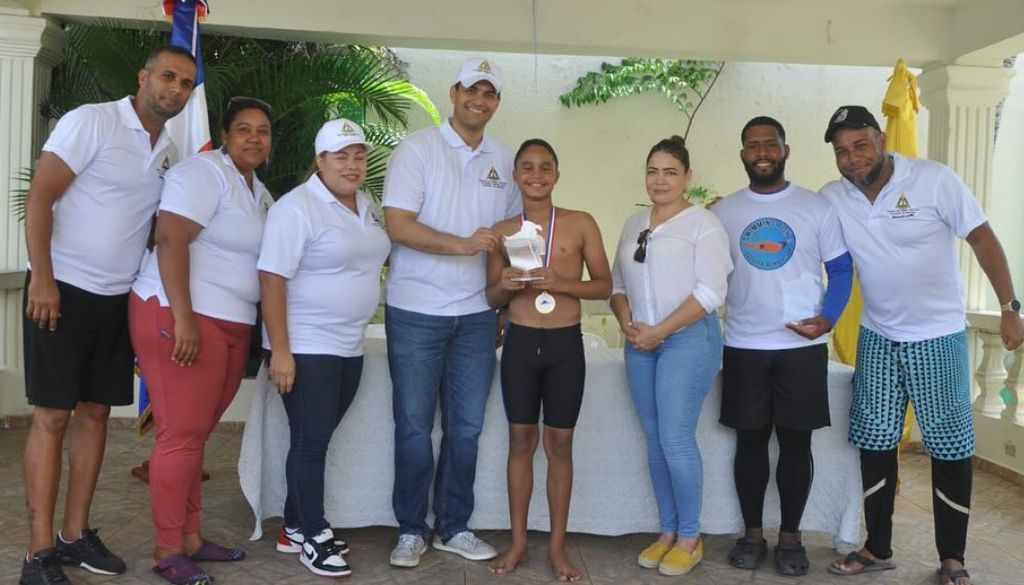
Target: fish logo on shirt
767,243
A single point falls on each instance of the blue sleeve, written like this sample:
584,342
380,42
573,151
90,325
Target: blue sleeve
840,281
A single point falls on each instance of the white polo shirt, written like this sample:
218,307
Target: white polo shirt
332,258
455,190
778,242
101,222
209,190
687,254
904,248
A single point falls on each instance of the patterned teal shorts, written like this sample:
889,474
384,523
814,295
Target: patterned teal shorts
934,374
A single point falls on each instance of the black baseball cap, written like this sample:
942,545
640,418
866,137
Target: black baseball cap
850,117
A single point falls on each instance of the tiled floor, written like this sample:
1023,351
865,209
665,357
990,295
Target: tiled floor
121,510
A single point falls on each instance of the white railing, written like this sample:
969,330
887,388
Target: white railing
996,371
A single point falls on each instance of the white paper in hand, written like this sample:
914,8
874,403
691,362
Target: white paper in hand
526,248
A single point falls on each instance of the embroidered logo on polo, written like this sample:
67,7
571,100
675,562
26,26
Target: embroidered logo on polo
903,208
163,167
493,180
767,243
375,217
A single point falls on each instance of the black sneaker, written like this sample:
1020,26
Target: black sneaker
43,569
321,556
89,553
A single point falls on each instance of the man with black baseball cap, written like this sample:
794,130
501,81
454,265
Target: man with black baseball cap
850,117
900,218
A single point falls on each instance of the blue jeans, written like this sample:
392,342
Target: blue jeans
324,388
430,356
669,384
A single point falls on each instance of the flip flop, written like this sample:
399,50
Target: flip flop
866,565
748,553
791,559
213,552
952,574
180,570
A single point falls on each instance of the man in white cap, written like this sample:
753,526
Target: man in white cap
445,186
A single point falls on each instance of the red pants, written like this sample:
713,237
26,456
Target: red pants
187,403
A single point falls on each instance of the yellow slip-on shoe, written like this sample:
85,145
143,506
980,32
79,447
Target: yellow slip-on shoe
679,562
651,556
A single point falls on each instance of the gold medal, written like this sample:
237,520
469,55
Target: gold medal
544,303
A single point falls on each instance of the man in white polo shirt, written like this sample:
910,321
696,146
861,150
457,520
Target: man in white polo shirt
901,218
88,216
445,187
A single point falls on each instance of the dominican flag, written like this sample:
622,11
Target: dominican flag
189,130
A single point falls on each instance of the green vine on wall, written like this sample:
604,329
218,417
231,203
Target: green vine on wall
685,83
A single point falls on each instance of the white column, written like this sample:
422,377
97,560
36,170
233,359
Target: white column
29,49
1015,383
990,375
961,102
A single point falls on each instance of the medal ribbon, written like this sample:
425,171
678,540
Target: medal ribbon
551,236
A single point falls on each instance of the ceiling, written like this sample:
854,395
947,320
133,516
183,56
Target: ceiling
848,32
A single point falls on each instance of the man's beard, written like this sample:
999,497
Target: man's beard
759,180
871,177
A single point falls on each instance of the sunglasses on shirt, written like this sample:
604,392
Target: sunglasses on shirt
641,248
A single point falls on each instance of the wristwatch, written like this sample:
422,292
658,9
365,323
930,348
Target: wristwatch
1013,306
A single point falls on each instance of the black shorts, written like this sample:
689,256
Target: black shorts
88,358
543,366
787,387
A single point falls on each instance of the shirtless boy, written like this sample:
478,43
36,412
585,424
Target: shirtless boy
543,362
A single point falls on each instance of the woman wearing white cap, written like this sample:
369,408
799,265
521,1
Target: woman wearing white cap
320,264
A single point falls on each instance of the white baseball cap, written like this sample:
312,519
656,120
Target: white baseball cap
338,134
477,69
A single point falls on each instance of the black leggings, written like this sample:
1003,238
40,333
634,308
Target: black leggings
793,474
951,501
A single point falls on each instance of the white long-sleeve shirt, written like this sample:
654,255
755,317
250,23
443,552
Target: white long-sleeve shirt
687,254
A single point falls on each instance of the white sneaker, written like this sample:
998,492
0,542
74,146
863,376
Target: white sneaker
289,540
466,545
408,551
321,556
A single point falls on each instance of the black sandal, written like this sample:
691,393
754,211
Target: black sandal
791,559
748,553
953,575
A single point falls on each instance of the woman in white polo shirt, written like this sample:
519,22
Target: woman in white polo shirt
320,276
669,277
191,313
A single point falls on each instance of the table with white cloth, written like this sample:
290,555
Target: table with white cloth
611,491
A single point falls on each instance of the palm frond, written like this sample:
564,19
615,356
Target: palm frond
306,83
19,194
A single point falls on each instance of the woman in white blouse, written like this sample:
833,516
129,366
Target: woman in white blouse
669,278
191,314
320,274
